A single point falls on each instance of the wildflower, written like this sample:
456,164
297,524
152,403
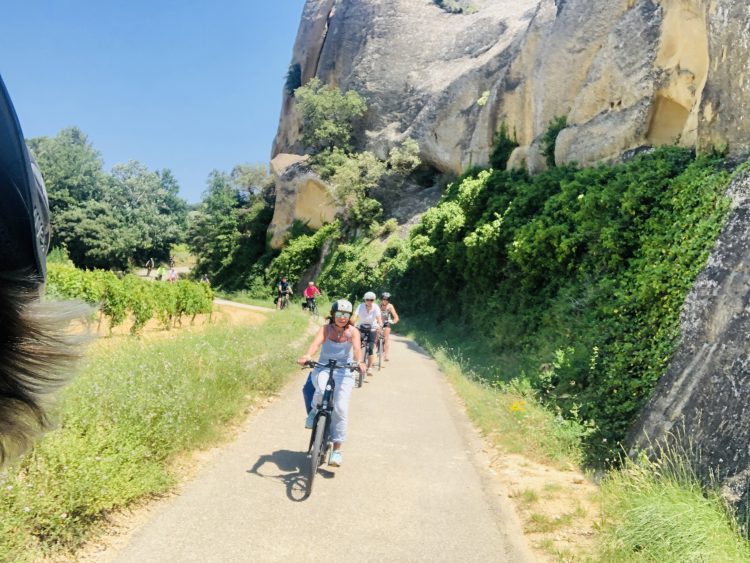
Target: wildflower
26,509
517,406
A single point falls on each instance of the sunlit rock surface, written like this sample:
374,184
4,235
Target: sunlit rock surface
625,73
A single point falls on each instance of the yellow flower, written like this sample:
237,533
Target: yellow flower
517,406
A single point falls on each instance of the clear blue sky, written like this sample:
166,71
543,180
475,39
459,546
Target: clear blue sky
189,86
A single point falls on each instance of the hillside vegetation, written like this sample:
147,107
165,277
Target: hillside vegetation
572,279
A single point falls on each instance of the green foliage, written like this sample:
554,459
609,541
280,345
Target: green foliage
300,253
572,278
141,299
134,407
327,115
293,78
227,233
595,262
107,220
354,177
660,511
549,139
502,148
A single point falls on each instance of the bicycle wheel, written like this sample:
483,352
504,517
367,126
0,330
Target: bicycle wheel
316,452
380,353
360,378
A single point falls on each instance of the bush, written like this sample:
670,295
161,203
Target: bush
549,139
502,148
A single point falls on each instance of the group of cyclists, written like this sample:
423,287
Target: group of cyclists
340,338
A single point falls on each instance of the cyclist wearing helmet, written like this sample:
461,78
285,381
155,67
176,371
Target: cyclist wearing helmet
337,340
282,288
368,319
34,344
390,317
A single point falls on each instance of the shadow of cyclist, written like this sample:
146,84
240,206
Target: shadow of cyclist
292,467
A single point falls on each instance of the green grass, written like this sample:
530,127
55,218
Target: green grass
135,407
660,511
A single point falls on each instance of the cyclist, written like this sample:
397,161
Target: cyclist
35,345
309,294
282,289
368,318
337,340
390,317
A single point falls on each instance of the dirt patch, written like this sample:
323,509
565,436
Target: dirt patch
559,509
222,314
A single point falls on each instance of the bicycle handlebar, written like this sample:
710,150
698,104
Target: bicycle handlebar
329,364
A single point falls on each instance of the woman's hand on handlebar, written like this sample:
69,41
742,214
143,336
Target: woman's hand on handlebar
303,360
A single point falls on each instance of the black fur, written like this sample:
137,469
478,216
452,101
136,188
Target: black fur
37,350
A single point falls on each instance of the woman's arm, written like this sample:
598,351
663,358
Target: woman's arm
394,314
314,345
357,349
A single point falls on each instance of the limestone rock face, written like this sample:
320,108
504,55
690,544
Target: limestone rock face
704,395
625,73
300,195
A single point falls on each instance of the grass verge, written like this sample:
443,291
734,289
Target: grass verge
508,414
136,406
660,511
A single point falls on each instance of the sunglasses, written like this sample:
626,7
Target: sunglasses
369,300
339,315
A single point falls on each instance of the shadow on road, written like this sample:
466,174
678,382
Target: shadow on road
414,347
292,467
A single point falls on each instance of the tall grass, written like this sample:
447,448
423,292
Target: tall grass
135,406
660,511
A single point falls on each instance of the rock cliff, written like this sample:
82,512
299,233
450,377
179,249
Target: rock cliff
625,73
702,400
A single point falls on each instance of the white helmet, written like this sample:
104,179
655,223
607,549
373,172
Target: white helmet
342,306
369,295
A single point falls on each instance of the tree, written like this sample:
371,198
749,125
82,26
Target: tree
227,233
107,220
73,173
327,115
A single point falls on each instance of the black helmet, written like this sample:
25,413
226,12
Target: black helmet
385,295
24,209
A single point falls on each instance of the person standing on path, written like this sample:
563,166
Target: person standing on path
337,340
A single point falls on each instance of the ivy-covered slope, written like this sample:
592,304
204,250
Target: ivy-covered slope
573,278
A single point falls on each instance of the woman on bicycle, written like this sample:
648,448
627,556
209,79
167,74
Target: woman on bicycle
367,318
390,317
310,292
340,341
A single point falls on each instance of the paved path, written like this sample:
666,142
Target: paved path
414,486
244,306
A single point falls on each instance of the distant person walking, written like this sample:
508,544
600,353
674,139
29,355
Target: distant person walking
150,266
161,270
172,275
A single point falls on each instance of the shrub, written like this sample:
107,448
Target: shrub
502,148
549,139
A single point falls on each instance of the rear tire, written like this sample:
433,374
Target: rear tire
316,452
380,353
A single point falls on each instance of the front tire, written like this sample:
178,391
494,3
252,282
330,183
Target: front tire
316,452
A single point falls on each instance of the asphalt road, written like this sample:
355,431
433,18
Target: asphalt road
414,486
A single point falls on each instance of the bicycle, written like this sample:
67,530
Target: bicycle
313,309
284,301
366,338
320,437
379,348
